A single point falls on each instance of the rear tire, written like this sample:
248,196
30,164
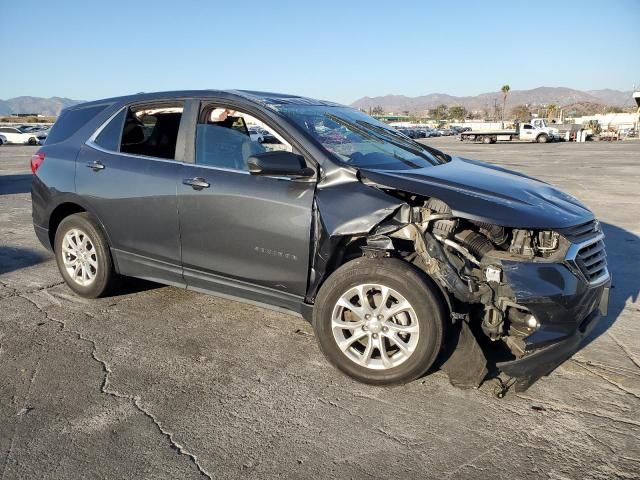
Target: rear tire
83,256
542,138
389,348
486,140
33,141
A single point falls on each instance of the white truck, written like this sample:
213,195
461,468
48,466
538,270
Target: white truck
553,132
524,131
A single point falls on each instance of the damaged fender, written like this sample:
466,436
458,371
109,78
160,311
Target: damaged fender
336,221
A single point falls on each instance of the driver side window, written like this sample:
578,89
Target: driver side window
226,138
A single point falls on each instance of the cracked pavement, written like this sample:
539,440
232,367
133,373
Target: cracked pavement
158,382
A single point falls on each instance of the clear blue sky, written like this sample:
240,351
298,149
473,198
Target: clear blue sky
338,50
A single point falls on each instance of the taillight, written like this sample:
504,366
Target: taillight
36,161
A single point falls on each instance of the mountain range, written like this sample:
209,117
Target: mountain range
395,103
560,96
43,106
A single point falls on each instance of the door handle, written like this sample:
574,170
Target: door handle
197,183
95,166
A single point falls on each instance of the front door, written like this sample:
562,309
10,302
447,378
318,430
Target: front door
241,232
526,132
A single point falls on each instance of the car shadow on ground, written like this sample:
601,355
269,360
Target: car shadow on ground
14,184
131,285
16,258
623,259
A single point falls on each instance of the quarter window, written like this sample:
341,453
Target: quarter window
109,137
70,121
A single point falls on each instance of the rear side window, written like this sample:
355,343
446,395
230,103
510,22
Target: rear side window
70,121
152,131
109,137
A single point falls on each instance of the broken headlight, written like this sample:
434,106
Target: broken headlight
532,243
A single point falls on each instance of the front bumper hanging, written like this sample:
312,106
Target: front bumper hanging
542,361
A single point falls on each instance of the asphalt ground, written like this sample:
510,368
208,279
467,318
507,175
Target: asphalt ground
159,382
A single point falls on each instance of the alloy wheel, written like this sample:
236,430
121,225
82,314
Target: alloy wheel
79,257
375,326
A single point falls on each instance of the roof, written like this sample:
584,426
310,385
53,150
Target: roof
264,98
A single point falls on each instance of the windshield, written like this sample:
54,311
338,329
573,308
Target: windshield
358,140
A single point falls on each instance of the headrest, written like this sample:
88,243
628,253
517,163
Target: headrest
133,133
220,114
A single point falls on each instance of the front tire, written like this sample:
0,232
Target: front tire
542,138
83,256
379,321
33,141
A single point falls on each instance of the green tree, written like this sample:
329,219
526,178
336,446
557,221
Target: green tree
458,112
552,109
505,91
377,110
438,113
521,113
613,110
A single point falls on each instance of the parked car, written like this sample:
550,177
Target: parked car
411,133
256,135
390,248
14,135
268,137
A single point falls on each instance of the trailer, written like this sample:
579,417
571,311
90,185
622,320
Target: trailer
524,132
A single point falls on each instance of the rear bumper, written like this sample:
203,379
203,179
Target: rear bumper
43,235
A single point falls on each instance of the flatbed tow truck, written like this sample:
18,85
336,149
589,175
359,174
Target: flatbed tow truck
523,132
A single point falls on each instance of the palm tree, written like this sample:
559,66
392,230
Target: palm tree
552,108
505,91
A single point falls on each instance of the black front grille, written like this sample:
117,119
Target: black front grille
582,232
592,260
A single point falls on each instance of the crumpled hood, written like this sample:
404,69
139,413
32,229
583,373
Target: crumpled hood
486,193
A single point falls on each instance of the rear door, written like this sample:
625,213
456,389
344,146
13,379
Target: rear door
128,172
242,232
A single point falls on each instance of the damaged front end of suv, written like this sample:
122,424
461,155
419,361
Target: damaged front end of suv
518,263
538,292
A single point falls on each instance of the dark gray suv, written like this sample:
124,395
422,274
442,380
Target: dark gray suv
396,252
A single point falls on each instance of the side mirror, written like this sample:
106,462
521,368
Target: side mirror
279,164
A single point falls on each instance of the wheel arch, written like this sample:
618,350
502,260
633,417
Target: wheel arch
347,248
58,214
70,206
350,249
